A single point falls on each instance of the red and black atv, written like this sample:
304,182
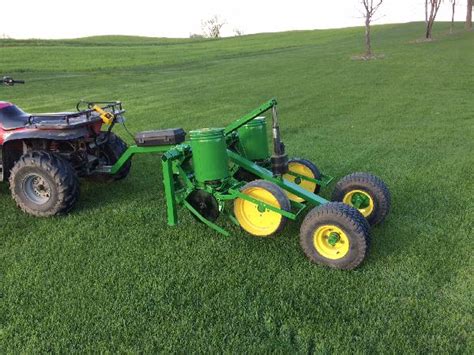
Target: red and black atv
43,155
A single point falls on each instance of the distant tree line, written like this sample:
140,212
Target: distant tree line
432,7
431,10
212,27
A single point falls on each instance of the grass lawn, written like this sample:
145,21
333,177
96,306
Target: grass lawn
112,276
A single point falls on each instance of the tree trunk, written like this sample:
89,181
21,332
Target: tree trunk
428,23
428,30
434,7
452,17
426,11
368,44
469,15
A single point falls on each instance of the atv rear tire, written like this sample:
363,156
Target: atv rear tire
44,184
108,154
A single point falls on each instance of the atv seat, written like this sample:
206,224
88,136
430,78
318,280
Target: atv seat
160,137
11,117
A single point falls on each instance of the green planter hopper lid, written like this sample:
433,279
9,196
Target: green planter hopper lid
206,133
256,122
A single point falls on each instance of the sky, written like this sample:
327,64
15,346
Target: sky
180,18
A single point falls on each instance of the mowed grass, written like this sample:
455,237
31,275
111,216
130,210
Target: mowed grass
112,276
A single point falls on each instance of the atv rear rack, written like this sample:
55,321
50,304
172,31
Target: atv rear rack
83,117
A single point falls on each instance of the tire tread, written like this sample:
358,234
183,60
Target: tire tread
62,173
379,189
339,213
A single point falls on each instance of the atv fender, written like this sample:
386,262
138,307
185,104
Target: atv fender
60,135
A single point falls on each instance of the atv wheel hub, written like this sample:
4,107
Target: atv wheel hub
36,189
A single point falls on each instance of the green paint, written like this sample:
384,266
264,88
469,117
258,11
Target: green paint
333,238
267,175
325,180
210,159
262,206
360,200
132,150
169,192
234,126
253,140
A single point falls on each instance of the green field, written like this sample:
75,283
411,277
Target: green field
112,276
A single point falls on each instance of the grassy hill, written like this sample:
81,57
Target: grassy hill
112,276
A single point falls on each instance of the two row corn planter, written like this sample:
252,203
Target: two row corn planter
231,172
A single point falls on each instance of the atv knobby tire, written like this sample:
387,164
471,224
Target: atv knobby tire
44,184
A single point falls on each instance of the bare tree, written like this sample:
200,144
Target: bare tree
370,8
238,32
453,6
211,28
469,15
433,8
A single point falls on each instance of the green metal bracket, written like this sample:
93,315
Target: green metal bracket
299,207
229,215
184,176
268,175
169,192
250,116
205,221
324,181
132,150
261,204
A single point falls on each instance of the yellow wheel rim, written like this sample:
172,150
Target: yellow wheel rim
305,184
331,242
361,200
252,218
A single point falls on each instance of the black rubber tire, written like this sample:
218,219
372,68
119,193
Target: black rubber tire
110,152
279,195
57,172
373,186
348,219
314,169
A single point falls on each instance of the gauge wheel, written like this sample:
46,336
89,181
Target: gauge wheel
257,220
306,168
365,192
335,235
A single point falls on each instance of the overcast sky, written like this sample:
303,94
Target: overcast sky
179,18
